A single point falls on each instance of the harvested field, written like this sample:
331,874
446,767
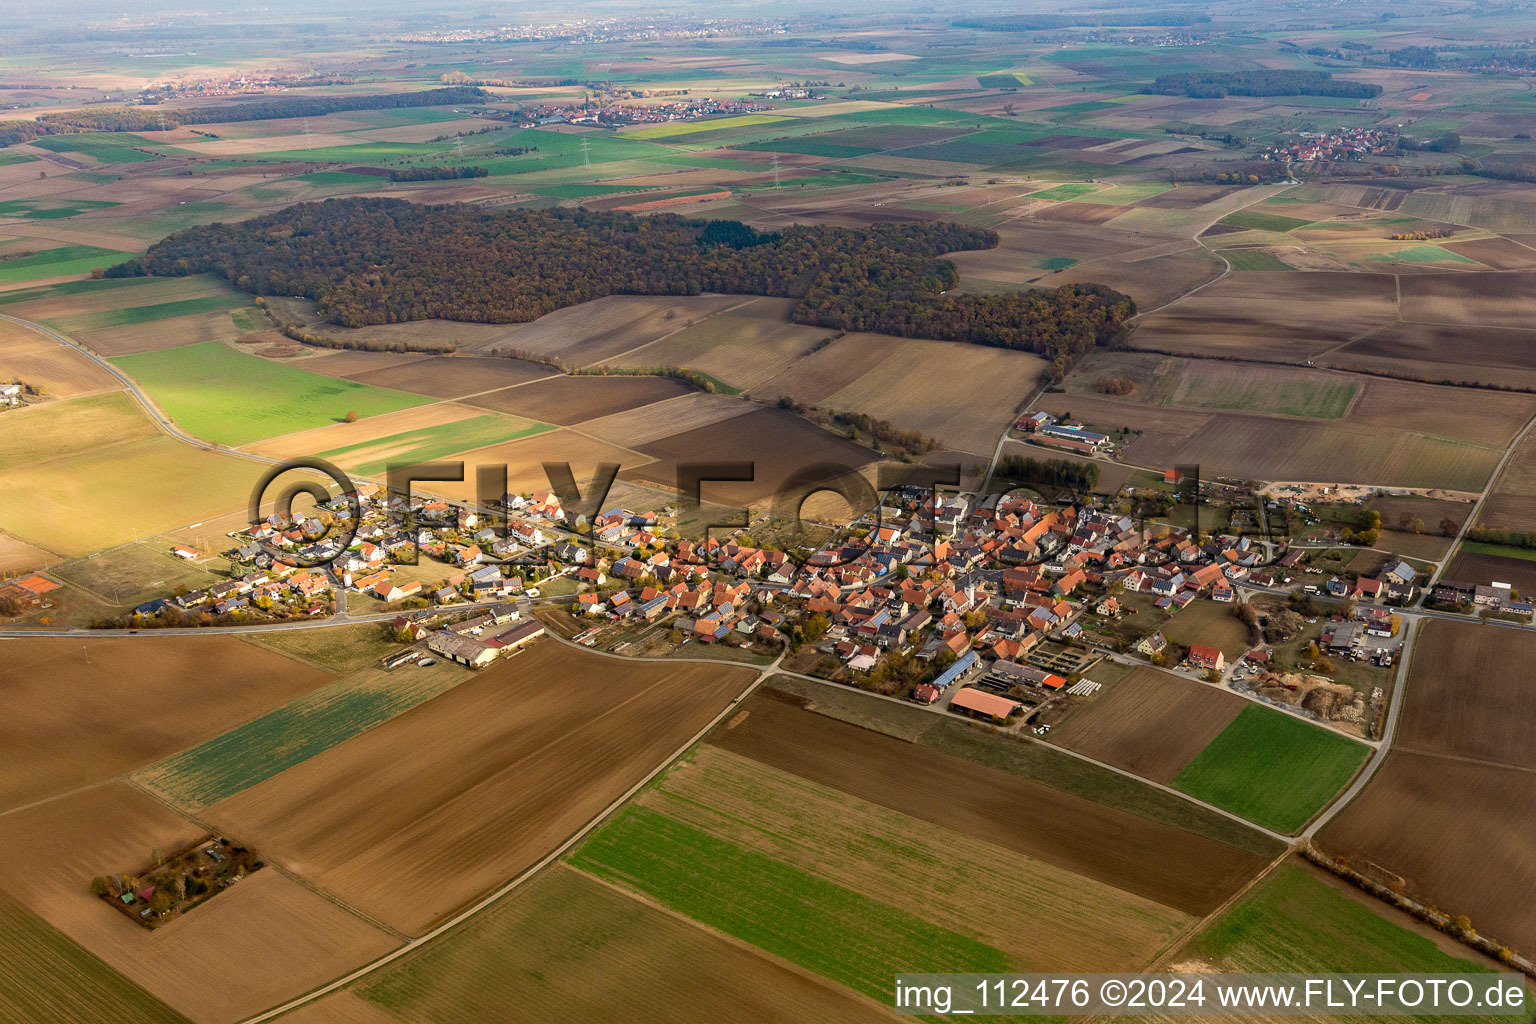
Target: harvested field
56,430
17,556
1430,511
45,978
1266,448
542,741
347,362
266,940
98,499
1468,851
1209,384
1476,567
778,443
1467,696
659,420
155,335
62,722
452,376
567,947
524,460
1445,352
1498,253
599,331
1164,864
567,400
1488,418
1042,917
1291,315
35,358
962,395
1152,280
1152,723
743,346
364,431
375,457
1485,300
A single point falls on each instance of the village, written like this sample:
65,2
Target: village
1340,144
996,606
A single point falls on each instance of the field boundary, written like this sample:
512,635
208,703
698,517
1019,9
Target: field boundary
548,859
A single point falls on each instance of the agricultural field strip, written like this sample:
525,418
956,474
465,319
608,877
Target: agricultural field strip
1084,758
1472,517
707,317
550,858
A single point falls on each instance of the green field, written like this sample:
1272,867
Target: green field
108,147
295,732
6,159
64,261
1067,190
1054,263
1253,259
45,978
49,291
1254,221
808,921
1473,547
1424,254
431,443
1003,80
1209,385
231,398
1294,922
129,315
673,129
50,209
1125,195
1272,768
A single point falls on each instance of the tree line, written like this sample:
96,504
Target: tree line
1217,84
369,261
1081,477
1049,22
438,173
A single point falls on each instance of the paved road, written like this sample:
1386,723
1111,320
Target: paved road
160,418
1383,748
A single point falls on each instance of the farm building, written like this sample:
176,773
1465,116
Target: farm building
518,635
949,676
988,705
463,649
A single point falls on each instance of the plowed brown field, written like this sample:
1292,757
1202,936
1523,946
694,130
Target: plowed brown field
1151,723
414,819
1173,867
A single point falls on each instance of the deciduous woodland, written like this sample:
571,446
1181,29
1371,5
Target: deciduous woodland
375,261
